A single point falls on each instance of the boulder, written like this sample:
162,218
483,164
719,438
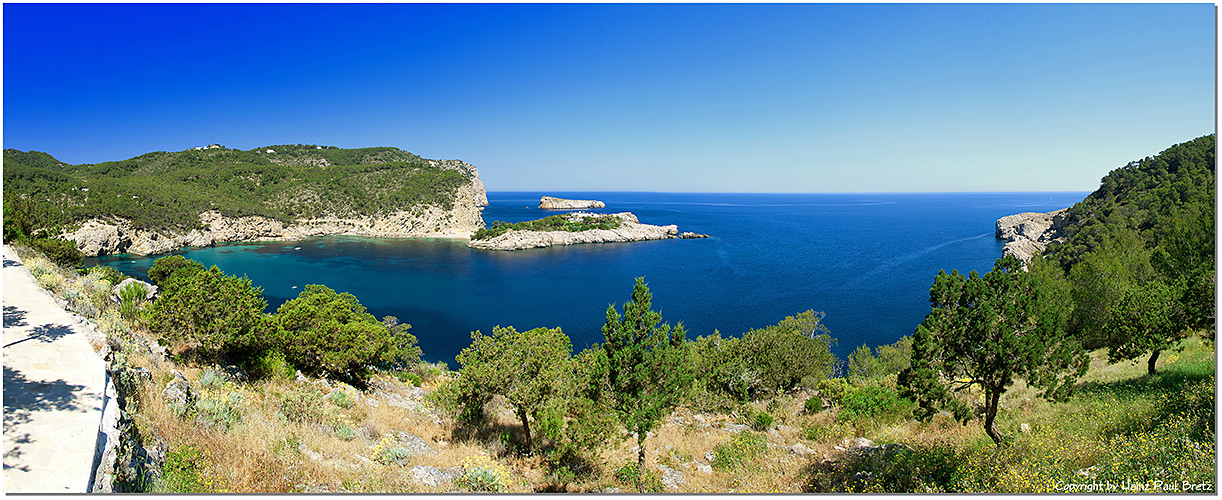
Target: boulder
178,393
433,476
414,443
672,478
150,290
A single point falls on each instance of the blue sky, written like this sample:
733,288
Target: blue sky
718,98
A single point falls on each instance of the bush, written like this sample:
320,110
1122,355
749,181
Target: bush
795,351
181,471
872,402
218,410
834,389
345,432
110,274
325,332
272,365
302,405
131,297
482,474
340,398
397,455
763,421
628,475
212,379
406,377
165,267
813,405
212,312
744,448
62,252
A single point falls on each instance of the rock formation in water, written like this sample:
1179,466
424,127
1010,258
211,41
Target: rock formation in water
630,229
101,237
1029,233
550,203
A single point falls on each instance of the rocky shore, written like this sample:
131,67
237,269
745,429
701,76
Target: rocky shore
102,237
551,203
630,229
1029,233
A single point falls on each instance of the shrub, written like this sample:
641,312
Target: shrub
482,474
795,351
340,398
51,281
131,297
762,421
62,252
813,405
834,389
628,475
872,402
322,331
219,410
345,432
167,266
181,471
212,312
272,365
211,379
744,448
406,377
107,273
396,455
302,405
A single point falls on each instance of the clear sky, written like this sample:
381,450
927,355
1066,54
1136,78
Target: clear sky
718,98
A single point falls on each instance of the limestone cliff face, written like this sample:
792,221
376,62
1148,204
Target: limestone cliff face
99,237
1030,233
550,203
630,229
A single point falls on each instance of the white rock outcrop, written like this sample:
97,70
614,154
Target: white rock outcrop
552,203
1029,233
630,229
100,237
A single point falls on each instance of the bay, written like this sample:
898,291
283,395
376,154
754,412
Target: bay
865,259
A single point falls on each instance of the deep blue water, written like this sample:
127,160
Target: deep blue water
867,260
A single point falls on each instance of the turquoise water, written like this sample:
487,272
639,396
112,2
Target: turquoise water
867,260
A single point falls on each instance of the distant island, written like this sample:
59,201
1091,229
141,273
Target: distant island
552,203
571,229
161,201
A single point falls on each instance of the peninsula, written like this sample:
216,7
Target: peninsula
161,201
1029,233
552,203
569,229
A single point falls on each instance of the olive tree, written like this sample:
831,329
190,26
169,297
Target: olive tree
986,332
531,369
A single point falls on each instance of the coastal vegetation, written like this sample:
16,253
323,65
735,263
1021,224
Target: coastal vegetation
322,397
168,190
564,222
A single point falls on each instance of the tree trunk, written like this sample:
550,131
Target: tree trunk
1151,362
990,416
640,461
526,428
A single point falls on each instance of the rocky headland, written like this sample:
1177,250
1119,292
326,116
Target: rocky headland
1029,233
116,235
630,229
552,203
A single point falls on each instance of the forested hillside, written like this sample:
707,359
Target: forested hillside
1153,196
162,190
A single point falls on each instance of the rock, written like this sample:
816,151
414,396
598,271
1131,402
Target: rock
729,427
672,478
862,443
630,230
103,237
800,449
1030,233
150,290
610,490
433,476
1024,427
705,468
414,443
551,203
691,235
178,392
709,456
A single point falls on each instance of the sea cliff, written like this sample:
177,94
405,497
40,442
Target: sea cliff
630,229
117,235
1029,233
552,203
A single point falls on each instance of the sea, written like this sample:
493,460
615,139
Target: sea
867,260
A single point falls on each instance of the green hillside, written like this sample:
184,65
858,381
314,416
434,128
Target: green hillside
170,189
